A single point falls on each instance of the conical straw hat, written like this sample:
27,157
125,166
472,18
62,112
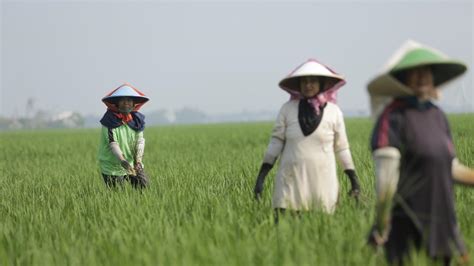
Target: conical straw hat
411,54
309,68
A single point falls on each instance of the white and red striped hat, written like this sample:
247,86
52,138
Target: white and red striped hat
125,90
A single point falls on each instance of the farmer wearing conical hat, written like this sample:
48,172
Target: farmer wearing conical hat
415,161
308,132
122,143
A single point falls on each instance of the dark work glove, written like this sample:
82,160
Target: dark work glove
264,169
355,188
141,176
126,165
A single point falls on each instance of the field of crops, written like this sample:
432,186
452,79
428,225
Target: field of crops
199,209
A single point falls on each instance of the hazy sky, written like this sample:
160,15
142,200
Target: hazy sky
217,56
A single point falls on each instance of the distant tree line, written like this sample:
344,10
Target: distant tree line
42,119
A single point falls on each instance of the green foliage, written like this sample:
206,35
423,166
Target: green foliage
198,210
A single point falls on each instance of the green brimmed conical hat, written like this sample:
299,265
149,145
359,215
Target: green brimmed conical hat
410,55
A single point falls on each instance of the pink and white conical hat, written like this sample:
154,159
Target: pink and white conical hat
312,67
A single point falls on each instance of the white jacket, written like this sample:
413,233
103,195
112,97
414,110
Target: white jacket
307,176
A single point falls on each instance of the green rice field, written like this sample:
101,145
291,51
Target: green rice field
199,209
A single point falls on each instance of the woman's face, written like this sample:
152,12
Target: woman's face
310,86
420,80
125,105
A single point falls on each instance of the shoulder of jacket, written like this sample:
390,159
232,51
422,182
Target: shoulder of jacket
332,107
289,104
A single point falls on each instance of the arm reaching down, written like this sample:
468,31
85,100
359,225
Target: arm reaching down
273,151
117,152
346,160
275,147
387,174
341,147
264,170
140,149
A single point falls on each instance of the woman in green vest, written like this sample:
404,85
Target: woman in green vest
122,143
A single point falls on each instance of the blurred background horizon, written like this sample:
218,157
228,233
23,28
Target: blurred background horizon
210,61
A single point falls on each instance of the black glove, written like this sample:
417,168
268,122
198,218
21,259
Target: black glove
355,188
126,165
141,177
264,169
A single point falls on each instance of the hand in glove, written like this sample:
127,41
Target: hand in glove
141,176
138,166
126,165
355,188
264,169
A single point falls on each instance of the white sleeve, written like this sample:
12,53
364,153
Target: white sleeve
341,143
345,158
277,140
387,172
140,147
340,137
116,151
462,173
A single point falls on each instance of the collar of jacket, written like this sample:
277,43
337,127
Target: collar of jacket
114,120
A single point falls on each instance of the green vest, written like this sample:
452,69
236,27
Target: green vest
127,141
